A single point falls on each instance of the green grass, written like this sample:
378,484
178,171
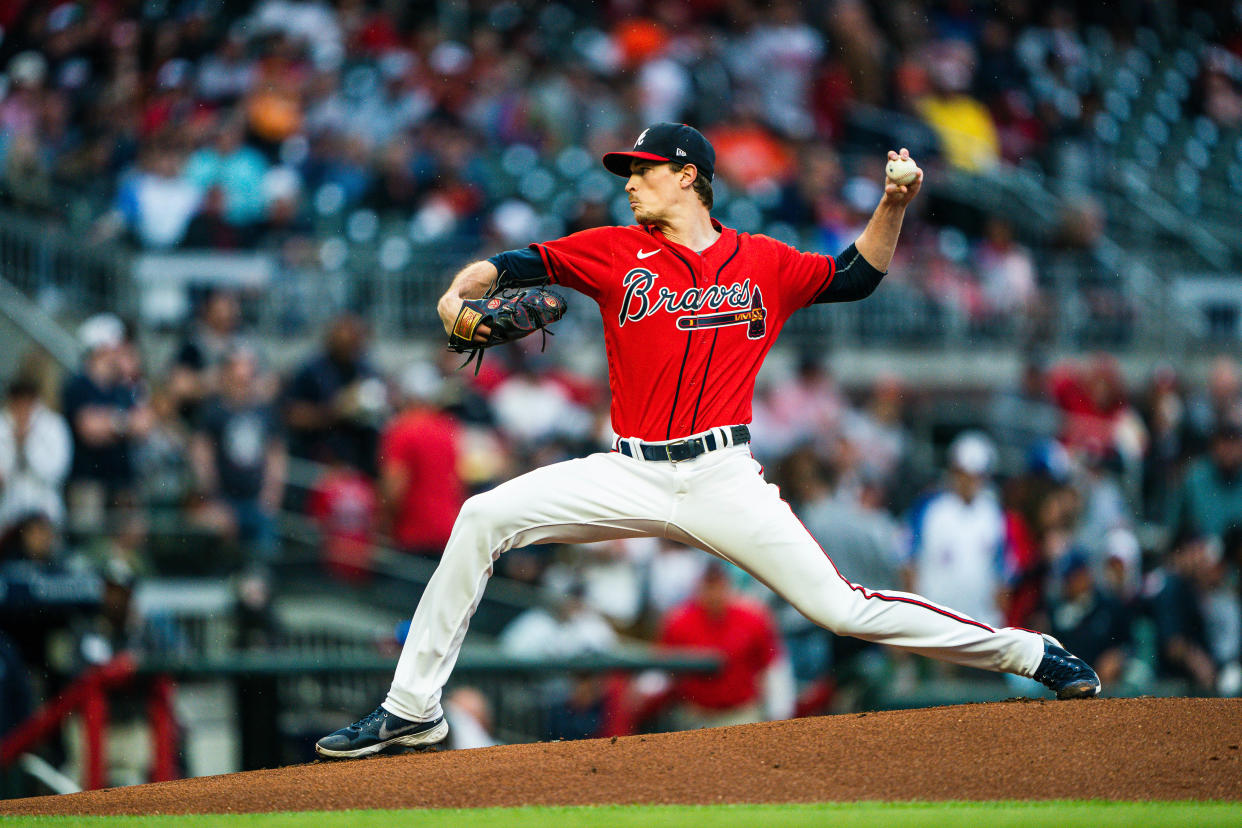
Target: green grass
1091,814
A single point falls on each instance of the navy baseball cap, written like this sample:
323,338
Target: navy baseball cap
678,143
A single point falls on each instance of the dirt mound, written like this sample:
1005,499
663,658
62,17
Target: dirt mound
1105,749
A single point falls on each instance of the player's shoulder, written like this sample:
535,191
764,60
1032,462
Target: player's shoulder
764,245
607,235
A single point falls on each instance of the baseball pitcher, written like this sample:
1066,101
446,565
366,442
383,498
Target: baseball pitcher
690,310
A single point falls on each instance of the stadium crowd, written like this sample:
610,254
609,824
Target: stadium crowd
1083,504
224,124
1078,504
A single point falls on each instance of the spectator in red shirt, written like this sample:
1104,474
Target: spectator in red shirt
744,633
419,455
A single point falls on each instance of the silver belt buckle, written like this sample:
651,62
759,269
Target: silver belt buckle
668,452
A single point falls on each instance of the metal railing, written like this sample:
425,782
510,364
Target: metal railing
61,272
1109,296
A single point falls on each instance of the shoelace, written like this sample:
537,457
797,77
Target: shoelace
374,716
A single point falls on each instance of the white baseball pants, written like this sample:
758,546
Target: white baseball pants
718,502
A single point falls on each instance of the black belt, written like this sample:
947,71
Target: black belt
687,449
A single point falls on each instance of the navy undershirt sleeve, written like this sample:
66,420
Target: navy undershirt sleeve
855,279
520,268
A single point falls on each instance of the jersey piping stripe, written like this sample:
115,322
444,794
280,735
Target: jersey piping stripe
694,280
694,419
546,255
832,274
868,594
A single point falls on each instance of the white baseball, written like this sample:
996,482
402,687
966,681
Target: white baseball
902,171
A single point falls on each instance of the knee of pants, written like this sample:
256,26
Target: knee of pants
485,516
833,609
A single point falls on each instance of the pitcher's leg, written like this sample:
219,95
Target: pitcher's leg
738,516
599,497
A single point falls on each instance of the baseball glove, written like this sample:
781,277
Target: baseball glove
509,313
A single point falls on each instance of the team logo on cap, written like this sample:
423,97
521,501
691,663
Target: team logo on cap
642,136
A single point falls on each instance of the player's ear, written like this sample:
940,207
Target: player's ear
688,173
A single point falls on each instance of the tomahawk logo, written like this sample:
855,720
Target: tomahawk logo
743,304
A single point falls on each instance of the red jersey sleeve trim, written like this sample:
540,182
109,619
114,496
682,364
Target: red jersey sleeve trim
832,273
546,255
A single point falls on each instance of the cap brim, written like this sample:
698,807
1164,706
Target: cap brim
618,163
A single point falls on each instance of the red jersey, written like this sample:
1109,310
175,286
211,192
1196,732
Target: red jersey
426,444
685,332
745,637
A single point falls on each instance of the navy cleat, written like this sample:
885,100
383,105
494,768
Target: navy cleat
377,732
1065,674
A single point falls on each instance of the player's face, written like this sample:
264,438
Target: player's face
652,188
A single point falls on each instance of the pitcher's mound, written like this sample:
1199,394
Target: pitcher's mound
1096,749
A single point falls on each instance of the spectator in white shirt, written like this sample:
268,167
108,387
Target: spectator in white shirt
958,536
36,449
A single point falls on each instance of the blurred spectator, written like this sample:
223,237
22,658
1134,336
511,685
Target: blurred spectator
43,602
36,449
1098,416
121,561
1176,592
864,541
234,167
1023,416
1165,418
777,60
957,547
420,460
1006,271
1209,499
238,453
965,127
345,506
469,716
1040,515
1220,401
1089,620
754,682
571,629
1222,613
531,405
211,339
808,406
210,228
878,432
749,155
107,414
161,458
226,73
156,203
673,574
1123,568
337,397
1104,506
611,573
812,199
